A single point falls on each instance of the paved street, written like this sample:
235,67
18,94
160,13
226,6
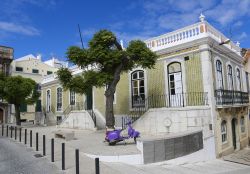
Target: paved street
17,158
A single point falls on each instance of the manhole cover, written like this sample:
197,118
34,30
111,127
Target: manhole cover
38,155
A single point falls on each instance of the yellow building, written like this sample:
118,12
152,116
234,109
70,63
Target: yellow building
32,67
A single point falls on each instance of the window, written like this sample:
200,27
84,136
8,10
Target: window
224,131
219,74
49,72
230,77
242,124
20,69
72,97
35,71
138,88
59,99
238,79
48,107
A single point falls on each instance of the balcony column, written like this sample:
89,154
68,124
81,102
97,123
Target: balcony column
208,86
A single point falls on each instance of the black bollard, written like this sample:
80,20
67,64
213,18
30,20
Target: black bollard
15,133
11,128
63,156
44,145
37,141
30,138
97,167
20,134
25,136
7,132
2,129
77,161
52,150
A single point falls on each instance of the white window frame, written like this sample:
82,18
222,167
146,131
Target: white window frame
70,97
138,84
61,109
219,74
130,84
230,79
224,131
238,78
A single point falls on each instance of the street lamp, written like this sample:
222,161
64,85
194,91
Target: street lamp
225,42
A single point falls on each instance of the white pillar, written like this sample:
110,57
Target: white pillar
208,86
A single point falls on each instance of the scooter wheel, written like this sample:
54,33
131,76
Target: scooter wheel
112,143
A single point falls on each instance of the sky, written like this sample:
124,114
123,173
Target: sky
49,27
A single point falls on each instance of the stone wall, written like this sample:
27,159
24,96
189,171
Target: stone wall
170,148
174,120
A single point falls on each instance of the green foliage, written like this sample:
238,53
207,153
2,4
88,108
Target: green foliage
109,60
18,90
106,54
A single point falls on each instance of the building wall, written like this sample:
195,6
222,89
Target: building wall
121,101
27,66
156,79
227,147
193,72
65,98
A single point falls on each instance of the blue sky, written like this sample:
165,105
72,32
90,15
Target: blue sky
49,27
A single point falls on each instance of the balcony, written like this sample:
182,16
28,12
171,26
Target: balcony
231,98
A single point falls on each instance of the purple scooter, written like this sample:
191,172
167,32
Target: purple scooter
113,137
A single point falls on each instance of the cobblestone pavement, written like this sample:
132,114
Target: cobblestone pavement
242,157
16,159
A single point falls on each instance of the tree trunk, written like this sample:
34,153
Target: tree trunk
110,120
17,114
109,93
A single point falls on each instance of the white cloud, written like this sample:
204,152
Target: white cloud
229,11
20,29
88,32
242,36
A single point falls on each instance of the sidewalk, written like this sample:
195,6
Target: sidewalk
92,143
241,157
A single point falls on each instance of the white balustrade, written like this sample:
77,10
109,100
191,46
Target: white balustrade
188,34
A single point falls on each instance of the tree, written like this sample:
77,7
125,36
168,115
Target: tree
18,90
109,60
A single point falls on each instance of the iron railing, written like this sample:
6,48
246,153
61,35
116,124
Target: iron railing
165,101
230,97
78,106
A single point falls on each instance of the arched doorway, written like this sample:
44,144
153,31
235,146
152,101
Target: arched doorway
234,133
1,115
175,84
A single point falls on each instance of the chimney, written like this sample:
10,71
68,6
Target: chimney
39,56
